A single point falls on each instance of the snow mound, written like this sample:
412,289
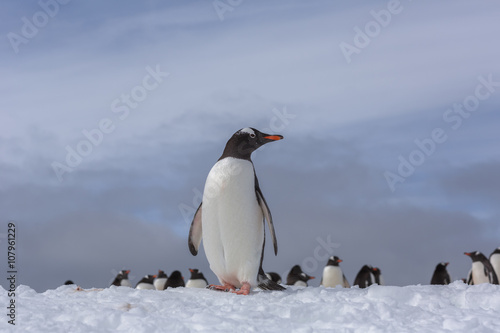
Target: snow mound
453,308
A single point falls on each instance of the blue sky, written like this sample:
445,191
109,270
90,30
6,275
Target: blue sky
270,65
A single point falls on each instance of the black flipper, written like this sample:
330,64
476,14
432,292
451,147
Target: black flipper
195,232
265,283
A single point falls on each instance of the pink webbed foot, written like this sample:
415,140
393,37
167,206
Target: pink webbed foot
226,287
244,290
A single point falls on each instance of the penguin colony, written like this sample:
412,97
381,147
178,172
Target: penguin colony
231,221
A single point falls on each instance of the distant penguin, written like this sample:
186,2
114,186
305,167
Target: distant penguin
441,275
160,280
146,282
297,277
482,271
231,217
365,277
333,275
197,280
274,277
175,280
495,261
122,279
377,276
69,282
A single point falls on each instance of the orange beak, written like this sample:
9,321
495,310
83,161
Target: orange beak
274,137
311,277
467,253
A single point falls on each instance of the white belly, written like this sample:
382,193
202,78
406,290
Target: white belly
232,222
332,276
478,275
495,262
160,283
145,286
300,283
125,283
197,283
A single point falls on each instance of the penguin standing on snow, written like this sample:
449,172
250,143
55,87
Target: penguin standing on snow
231,217
121,279
146,282
197,280
297,277
365,277
495,261
481,271
441,275
175,280
161,279
332,274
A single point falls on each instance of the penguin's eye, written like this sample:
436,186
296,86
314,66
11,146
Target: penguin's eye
252,135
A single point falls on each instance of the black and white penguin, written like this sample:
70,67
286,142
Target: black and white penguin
441,275
297,277
231,217
365,277
377,276
197,280
333,275
161,279
68,283
121,279
481,271
146,282
495,261
274,277
175,280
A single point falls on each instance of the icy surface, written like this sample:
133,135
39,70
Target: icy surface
453,308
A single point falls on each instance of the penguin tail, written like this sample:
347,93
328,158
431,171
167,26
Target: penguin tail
265,283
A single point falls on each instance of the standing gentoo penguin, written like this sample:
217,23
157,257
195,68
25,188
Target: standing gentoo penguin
274,277
122,279
197,280
365,277
146,282
441,275
297,277
495,261
175,280
332,274
482,271
231,217
160,280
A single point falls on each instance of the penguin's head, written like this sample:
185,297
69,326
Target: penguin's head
334,261
124,274
245,141
176,275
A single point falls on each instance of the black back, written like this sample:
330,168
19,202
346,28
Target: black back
275,277
147,279
175,280
296,274
69,282
441,275
364,277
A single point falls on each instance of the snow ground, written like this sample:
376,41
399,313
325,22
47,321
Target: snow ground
453,308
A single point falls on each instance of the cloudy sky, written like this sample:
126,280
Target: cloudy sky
112,114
